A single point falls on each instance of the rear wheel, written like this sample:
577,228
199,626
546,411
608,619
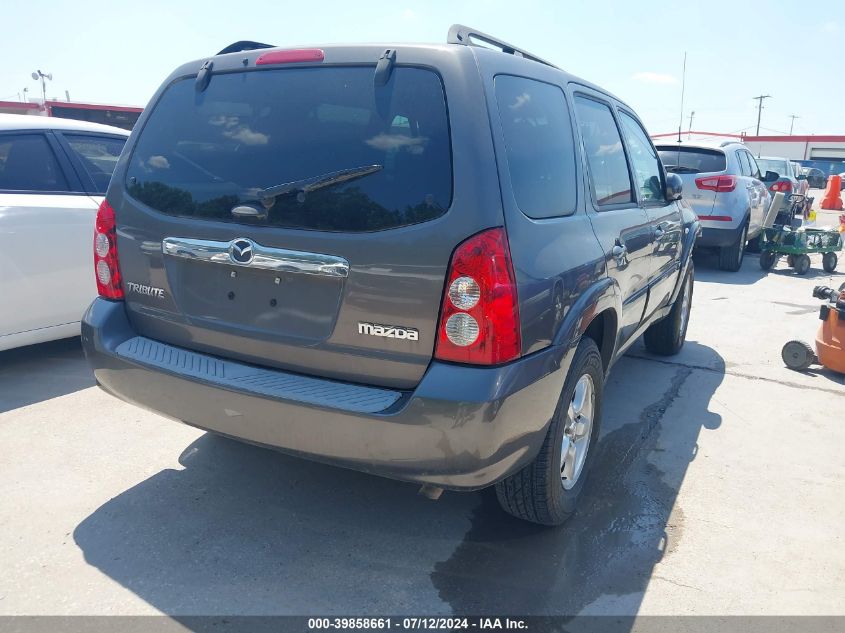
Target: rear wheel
767,260
730,257
546,491
802,264
829,261
798,355
667,336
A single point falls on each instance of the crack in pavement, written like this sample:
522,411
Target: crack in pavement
783,383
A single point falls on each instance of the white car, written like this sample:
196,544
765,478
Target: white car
53,175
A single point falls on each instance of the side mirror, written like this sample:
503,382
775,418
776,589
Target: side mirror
771,176
674,186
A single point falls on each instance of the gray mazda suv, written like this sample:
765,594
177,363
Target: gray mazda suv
415,261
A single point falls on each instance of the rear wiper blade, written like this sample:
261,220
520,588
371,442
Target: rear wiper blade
680,169
307,185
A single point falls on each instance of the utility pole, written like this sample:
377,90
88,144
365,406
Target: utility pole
760,110
689,131
792,123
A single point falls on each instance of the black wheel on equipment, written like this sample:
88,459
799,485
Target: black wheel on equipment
798,355
802,264
829,261
790,261
767,260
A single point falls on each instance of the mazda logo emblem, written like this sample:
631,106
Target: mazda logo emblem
240,250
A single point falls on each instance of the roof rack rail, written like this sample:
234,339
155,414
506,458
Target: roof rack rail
244,45
460,34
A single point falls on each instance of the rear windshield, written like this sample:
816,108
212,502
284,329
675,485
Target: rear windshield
778,166
308,148
692,160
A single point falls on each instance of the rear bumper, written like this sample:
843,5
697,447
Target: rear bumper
460,428
716,237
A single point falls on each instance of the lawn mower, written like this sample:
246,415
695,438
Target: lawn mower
830,339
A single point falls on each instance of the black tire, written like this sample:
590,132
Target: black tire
730,257
767,260
536,492
829,261
798,355
667,336
790,261
802,264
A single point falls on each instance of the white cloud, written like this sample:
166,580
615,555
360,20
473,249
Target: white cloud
830,27
654,78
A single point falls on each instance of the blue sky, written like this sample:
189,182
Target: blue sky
118,52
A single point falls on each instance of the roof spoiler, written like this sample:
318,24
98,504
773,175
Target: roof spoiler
467,36
244,45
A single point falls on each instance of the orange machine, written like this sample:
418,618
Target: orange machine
830,339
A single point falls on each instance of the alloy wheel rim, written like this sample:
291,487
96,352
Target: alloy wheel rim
578,427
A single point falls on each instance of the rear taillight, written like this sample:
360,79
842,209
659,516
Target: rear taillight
479,322
784,186
106,268
720,184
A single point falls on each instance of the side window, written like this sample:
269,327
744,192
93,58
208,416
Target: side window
744,165
98,154
644,160
611,181
755,169
539,145
27,163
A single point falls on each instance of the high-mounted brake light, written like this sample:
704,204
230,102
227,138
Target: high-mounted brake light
290,56
720,184
479,321
106,268
784,186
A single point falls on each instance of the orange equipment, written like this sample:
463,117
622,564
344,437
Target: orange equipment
830,339
833,194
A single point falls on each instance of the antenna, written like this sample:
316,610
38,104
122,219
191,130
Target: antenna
689,131
683,89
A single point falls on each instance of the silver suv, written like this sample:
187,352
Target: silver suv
723,184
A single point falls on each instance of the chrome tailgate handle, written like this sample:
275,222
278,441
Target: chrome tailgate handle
247,253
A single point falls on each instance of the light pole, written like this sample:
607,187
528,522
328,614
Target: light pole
42,76
792,122
760,109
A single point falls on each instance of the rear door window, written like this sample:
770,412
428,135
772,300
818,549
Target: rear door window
755,170
27,163
539,145
98,155
609,174
692,160
313,148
